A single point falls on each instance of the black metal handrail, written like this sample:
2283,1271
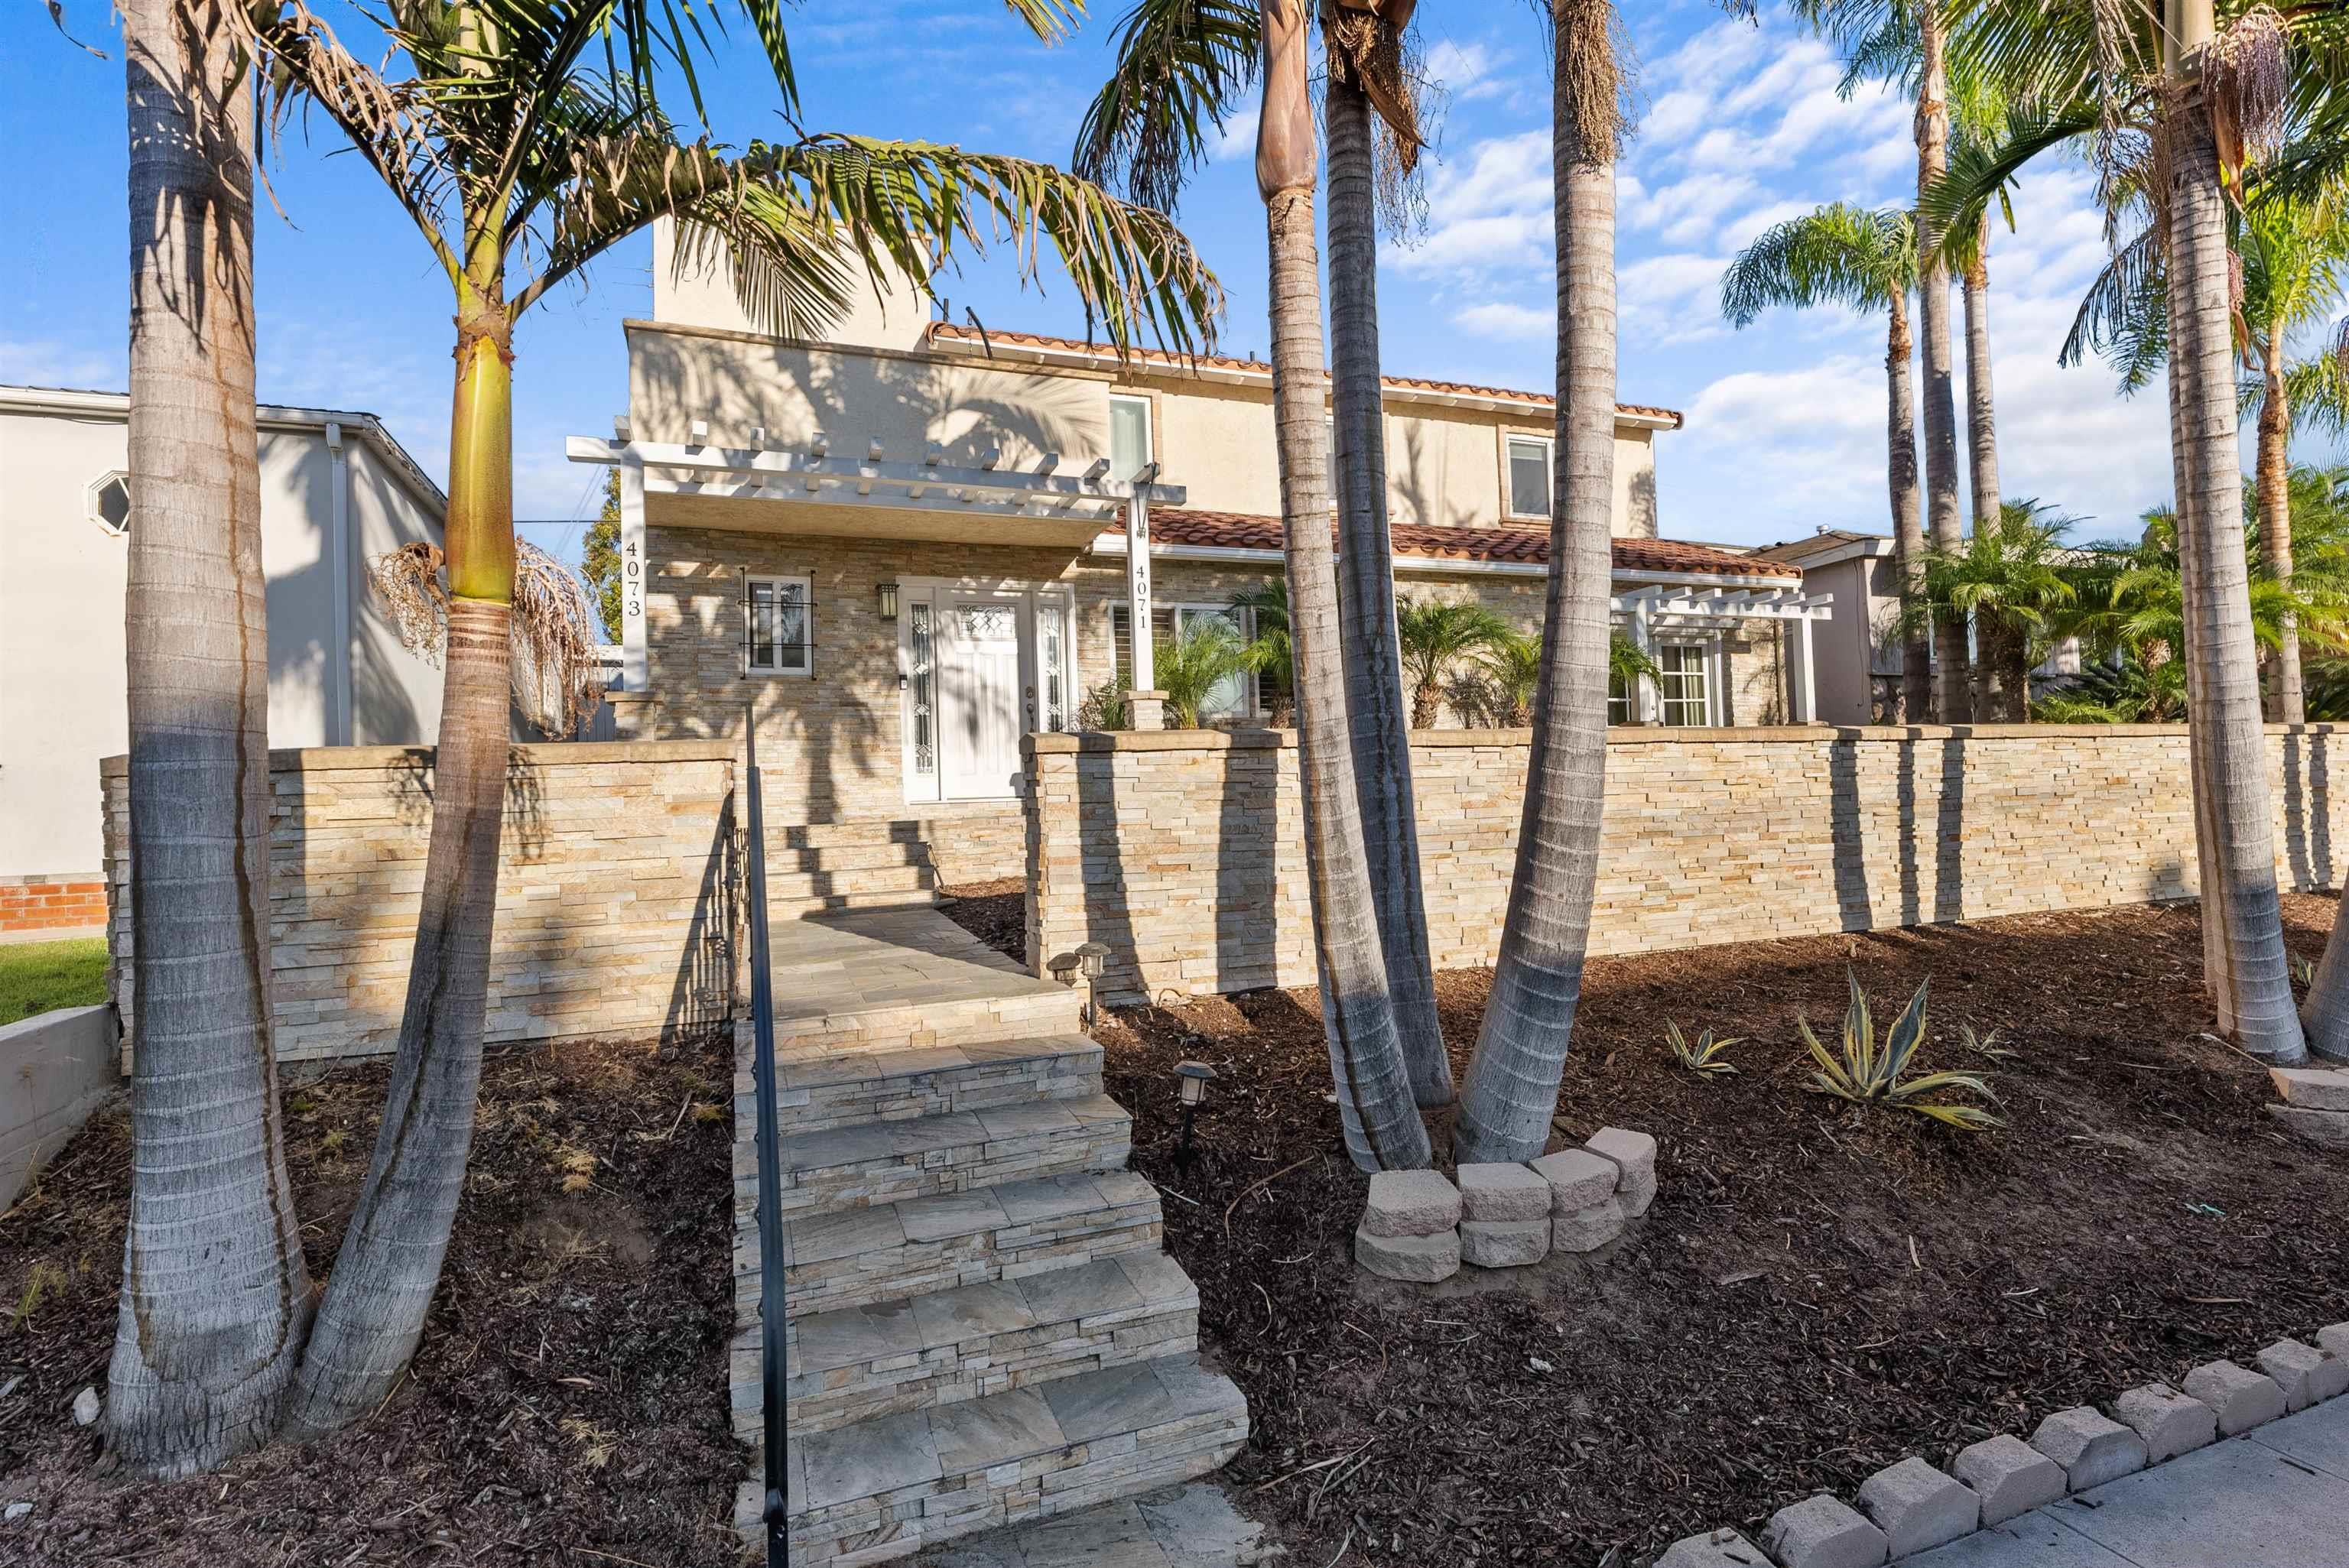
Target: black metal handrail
772,1370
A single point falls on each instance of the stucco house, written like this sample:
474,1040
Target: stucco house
907,546
336,488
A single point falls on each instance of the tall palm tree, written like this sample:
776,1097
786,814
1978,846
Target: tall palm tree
531,132
2179,112
1433,636
1511,1090
1377,1104
2251,980
2295,257
1370,91
1923,23
215,1297
1867,259
1182,68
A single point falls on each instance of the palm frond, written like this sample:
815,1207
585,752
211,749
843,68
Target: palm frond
1981,169
1839,254
1182,68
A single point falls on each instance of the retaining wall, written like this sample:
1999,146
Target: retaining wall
615,892
55,1068
1182,850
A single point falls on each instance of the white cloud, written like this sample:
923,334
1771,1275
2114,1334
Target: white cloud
46,362
1506,322
1465,71
1237,138
1490,212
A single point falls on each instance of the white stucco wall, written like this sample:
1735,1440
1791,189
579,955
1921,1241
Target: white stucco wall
61,616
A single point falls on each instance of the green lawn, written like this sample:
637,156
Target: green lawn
35,976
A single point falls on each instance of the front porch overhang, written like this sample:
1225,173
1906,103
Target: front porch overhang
860,490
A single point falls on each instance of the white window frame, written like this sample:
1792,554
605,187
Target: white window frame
1509,439
1149,427
1708,649
806,585
98,487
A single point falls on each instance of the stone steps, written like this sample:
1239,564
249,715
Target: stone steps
864,1163
884,1488
858,1363
813,1093
891,1252
918,1022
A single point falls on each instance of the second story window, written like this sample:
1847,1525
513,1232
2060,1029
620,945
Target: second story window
1128,437
1528,477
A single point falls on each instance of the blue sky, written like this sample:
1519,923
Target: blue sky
1742,127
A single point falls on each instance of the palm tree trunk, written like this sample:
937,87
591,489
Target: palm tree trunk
1511,1091
389,1265
1382,740
1997,696
215,1297
2224,701
1952,696
1375,1103
1913,701
2274,481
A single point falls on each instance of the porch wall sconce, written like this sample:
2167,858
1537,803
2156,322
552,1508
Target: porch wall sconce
1191,1081
887,593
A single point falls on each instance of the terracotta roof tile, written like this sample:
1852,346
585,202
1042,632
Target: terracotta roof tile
1525,546
949,332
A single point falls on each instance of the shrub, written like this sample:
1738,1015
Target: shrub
1705,1057
1862,1073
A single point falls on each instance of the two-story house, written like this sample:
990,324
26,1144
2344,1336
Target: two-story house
907,546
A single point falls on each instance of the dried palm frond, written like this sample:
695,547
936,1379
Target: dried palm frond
408,581
556,677
2243,82
557,680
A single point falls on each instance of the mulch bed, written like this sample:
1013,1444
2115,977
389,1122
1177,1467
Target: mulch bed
1818,1290
567,1406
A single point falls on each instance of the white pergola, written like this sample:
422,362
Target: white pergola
1062,507
1674,608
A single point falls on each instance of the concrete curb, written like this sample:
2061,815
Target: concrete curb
1912,1506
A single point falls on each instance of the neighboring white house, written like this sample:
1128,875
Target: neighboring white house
336,489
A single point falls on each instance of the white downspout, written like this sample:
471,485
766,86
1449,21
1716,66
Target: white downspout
340,731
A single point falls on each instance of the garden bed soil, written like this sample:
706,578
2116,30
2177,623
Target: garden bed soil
1819,1290
567,1406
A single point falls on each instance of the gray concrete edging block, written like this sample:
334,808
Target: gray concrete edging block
55,1068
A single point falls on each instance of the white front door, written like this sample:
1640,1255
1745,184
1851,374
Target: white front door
980,681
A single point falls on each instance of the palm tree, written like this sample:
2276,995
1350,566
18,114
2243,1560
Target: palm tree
2251,980
1855,23
1433,636
1266,607
532,128
1631,666
1377,1104
1511,1090
1513,670
1867,259
2295,257
1189,668
1371,90
2213,105
215,1297
1182,68
2010,583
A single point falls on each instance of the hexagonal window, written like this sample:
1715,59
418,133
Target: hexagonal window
108,496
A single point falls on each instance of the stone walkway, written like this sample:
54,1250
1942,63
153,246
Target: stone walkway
2278,1495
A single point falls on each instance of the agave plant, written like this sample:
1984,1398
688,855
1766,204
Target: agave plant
1861,1073
1704,1057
